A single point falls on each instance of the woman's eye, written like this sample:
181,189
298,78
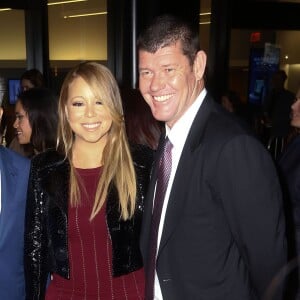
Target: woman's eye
77,104
98,102
19,117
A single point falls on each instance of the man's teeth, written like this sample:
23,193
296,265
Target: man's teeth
162,98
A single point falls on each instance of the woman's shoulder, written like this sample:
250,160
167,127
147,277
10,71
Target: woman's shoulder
48,159
142,155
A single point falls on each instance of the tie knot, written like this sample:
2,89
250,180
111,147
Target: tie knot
166,156
168,145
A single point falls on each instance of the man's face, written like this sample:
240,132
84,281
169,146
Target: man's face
167,82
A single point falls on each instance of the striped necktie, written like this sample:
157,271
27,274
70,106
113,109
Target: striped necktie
164,170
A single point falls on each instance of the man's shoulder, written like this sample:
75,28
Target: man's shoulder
225,124
10,156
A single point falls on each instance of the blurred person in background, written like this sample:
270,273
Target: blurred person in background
36,119
232,102
32,78
141,126
277,106
29,79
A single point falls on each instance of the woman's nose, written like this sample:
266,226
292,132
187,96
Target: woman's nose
16,123
90,110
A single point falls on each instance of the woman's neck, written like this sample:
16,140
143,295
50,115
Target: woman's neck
87,156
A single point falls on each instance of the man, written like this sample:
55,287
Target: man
14,172
221,234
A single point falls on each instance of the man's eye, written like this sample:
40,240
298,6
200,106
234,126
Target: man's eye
145,73
169,70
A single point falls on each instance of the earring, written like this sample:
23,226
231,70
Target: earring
3,139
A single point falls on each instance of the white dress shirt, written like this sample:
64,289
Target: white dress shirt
177,135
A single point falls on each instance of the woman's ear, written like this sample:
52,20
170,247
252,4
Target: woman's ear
199,65
1,113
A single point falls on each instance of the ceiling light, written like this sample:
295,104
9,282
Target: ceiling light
204,23
5,9
65,2
86,15
205,14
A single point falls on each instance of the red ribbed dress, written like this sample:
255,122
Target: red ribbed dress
90,253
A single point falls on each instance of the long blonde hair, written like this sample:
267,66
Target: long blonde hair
117,162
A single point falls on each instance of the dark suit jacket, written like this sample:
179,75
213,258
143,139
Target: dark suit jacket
14,178
289,166
224,231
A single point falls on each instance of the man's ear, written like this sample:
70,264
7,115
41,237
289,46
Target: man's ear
199,65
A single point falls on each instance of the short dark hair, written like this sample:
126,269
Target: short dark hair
166,30
35,77
41,105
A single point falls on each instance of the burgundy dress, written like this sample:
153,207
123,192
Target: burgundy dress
90,255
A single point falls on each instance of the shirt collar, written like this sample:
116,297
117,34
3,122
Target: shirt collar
179,132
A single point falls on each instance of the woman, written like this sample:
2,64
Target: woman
36,120
31,78
85,204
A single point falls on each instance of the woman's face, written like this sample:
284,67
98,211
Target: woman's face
88,117
22,125
295,111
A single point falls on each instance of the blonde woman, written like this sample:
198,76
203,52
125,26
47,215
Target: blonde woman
85,200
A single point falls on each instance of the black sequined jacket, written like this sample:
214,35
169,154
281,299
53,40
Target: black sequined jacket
46,242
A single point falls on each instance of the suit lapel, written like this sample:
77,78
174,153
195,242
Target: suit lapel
185,166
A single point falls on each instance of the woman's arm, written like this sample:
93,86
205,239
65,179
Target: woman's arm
35,239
